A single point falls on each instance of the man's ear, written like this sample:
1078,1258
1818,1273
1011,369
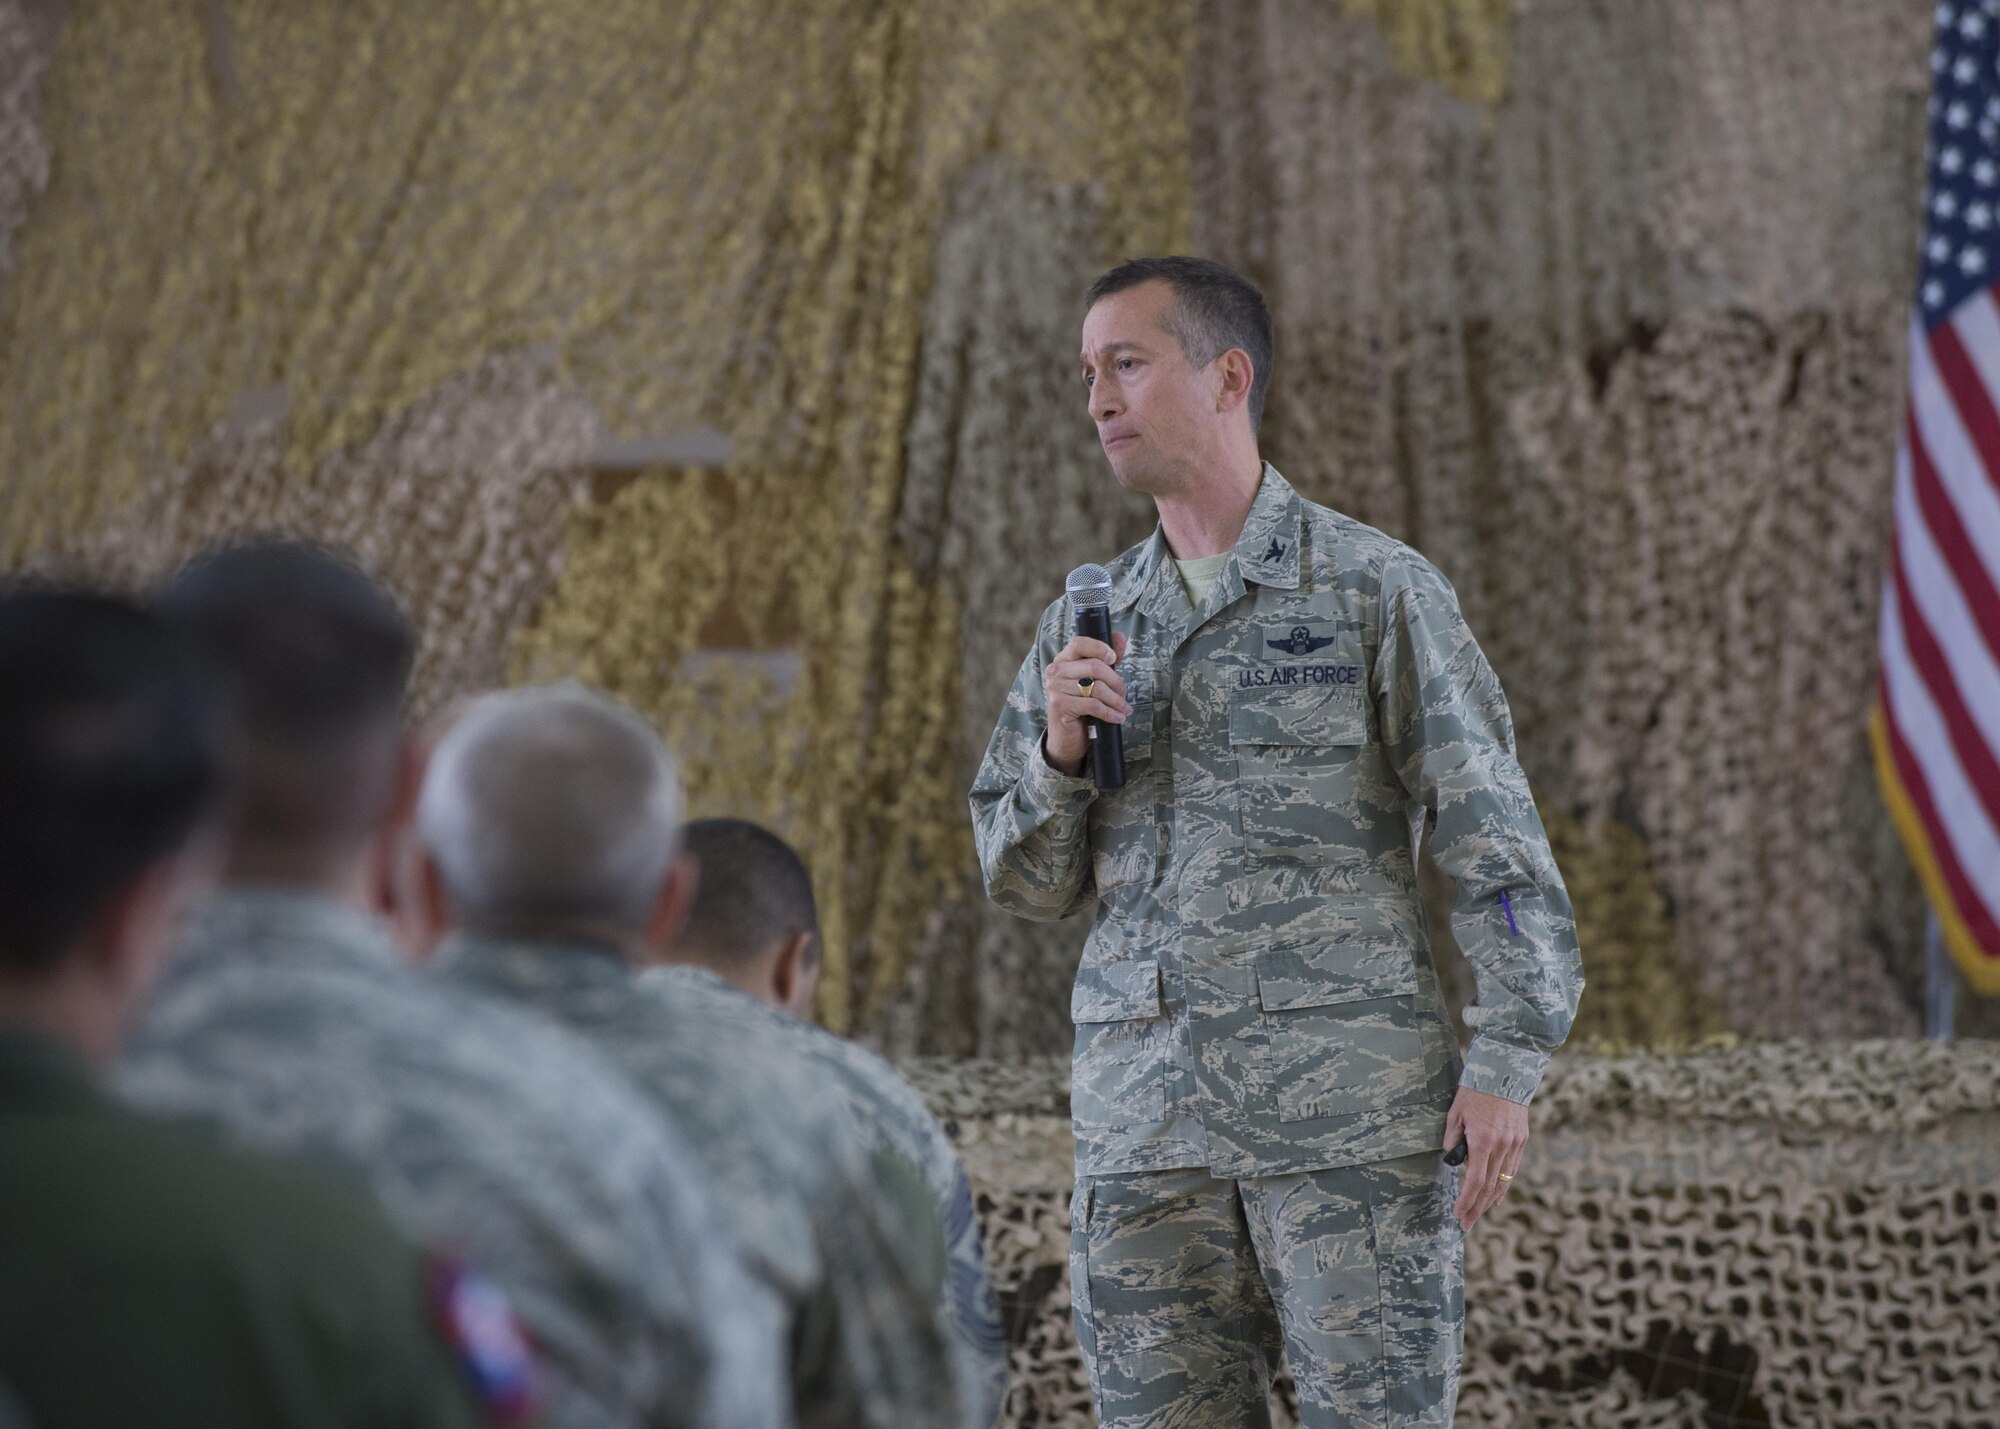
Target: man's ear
413,757
795,975
1234,379
676,901
431,920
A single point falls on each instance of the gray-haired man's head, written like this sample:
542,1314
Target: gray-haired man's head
551,810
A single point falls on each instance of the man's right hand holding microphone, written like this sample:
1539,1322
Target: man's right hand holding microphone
1081,684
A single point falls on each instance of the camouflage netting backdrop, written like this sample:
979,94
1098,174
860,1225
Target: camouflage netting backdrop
1598,302
1799,1234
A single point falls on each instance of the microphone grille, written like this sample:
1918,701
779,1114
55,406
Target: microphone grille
1089,585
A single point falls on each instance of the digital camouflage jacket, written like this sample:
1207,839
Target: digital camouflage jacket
1257,993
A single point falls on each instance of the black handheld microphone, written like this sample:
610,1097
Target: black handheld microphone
1089,590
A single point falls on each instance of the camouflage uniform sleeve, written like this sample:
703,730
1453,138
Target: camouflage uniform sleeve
891,1364
1448,734
1030,821
717,1326
975,1307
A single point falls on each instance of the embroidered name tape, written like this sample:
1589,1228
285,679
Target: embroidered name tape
1252,676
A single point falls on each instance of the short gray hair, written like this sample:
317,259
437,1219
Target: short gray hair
551,803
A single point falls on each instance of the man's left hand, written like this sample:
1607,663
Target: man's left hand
1495,1132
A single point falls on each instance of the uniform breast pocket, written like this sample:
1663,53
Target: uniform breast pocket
1124,823
1119,1071
1342,1029
1303,761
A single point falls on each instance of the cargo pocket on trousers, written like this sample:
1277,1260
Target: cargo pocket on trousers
1119,1072
1342,1028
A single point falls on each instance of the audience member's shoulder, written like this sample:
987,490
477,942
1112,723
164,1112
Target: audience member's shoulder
698,993
549,1067
874,1093
866,1069
770,1048
182,1180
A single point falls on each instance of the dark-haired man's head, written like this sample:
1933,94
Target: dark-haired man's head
314,656
110,757
1177,359
754,921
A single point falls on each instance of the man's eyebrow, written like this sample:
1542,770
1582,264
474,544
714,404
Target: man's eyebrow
1113,347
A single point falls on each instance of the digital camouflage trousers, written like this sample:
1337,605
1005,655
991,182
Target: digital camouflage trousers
1186,1287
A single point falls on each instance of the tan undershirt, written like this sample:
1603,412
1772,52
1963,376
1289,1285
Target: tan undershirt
1199,576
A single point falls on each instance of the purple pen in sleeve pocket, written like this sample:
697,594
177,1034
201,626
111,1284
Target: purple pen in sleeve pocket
1508,907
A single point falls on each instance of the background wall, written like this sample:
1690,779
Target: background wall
1598,302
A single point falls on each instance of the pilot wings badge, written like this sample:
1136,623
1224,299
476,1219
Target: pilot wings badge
1301,642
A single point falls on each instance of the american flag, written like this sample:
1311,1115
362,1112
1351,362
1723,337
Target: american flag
1936,728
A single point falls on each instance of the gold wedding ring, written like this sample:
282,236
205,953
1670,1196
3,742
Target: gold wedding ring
1505,1177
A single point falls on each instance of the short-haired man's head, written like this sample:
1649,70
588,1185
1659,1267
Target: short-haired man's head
110,754
753,894
314,655
549,808
1215,309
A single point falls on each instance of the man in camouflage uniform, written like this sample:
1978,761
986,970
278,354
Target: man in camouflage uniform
1264,1074
754,924
150,1274
291,1020
549,825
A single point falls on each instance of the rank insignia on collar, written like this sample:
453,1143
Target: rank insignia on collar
1301,642
1277,551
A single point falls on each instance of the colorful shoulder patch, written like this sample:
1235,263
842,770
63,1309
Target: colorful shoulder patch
492,1349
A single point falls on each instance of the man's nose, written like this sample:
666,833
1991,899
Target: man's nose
1104,400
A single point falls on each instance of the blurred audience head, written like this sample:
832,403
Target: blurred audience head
110,758
314,656
754,921
554,812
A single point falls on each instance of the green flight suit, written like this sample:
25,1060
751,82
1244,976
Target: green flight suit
152,1276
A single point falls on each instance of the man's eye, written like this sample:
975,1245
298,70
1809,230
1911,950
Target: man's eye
1124,362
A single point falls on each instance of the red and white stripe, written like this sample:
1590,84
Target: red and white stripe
1940,625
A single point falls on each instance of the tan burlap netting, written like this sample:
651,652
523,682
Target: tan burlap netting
1598,302
1802,1234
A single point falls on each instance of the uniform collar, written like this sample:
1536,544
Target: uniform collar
671,975
531,969
1267,554
282,925
1268,550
